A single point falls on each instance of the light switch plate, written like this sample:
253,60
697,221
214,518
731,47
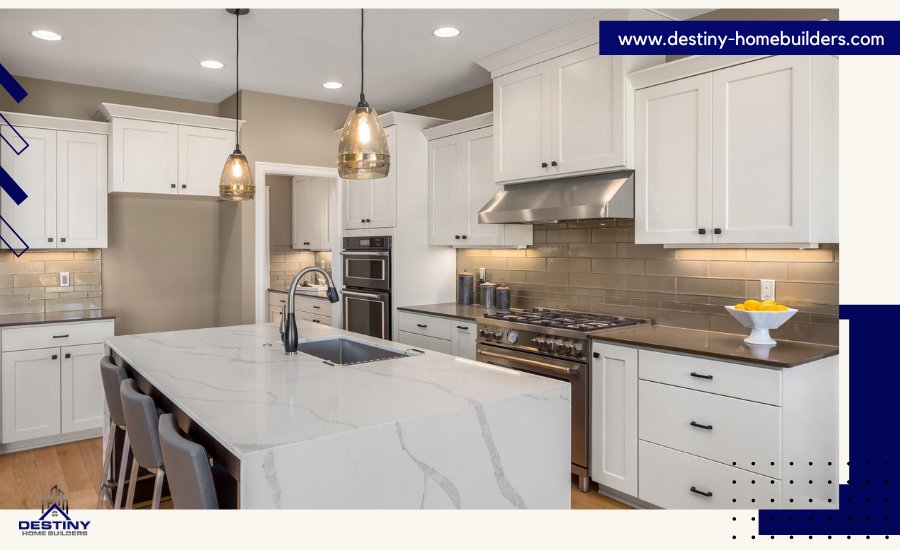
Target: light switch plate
63,278
767,289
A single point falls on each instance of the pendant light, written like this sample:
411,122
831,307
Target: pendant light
363,151
236,183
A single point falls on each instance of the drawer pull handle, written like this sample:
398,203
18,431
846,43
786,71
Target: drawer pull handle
703,426
702,493
420,325
317,307
316,321
703,376
460,327
54,357
61,336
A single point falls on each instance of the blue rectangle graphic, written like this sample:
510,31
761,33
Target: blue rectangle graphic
12,86
12,188
749,37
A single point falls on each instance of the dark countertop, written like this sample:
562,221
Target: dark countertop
13,319
467,313
320,294
720,345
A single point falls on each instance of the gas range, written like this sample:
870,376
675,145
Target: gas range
546,331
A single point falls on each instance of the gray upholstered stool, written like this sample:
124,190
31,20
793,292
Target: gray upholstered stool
112,376
143,431
187,465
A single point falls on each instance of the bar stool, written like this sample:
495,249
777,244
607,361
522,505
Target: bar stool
187,465
112,376
143,428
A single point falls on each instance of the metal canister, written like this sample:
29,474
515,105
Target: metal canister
465,289
503,296
488,295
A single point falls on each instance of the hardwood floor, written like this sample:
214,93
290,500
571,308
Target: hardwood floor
27,476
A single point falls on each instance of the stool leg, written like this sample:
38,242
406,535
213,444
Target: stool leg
157,488
132,481
107,458
120,486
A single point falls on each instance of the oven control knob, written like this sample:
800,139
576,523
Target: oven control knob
539,342
559,346
567,348
551,345
482,332
498,335
512,336
577,349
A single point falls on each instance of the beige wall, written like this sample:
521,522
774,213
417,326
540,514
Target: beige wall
471,103
30,283
281,214
596,266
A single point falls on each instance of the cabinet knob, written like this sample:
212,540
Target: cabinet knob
49,239
554,163
183,186
717,231
465,237
596,355
63,239
368,220
306,243
68,355
362,220
456,237
172,186
702,231
543,165
54,357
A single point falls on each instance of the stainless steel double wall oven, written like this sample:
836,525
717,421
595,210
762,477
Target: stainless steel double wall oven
367,285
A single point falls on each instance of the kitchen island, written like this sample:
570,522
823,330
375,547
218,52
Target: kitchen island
426,430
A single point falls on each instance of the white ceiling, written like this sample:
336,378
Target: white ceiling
288,52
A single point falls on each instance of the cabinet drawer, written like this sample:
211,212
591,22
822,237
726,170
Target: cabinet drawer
731,379
720,428
313,318
426,325
313,305
54,336
425,342
277,299
667,476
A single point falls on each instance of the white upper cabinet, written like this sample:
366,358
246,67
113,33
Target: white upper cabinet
460,156
202,153
64,174
166,152
560,108
373,203
737,155
311,213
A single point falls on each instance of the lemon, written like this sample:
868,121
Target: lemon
780,307
752,305
739,306
768,307
771,302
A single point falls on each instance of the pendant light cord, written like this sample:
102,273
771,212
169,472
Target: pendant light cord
237,79
362,59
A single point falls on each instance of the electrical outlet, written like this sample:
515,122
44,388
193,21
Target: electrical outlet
63,278
767,289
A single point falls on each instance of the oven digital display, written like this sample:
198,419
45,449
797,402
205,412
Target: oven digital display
364,242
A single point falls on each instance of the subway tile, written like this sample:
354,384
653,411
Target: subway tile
596,280
814,272
592,250
820,319
504,275
681,319
613,235
6,281
711,287
711,254
722,323
649,283
540,236
21,267
548,251
465,262
623,266
74,304
569,236
819,293
676,306
36,279
685,268
91,254
547,278
644,295
508,252
527,264
712,309
567,264
491,262
693,299
649,304
21,306
748,270
646,251
615,300
473,252
42,255
73,265
790,255
818,334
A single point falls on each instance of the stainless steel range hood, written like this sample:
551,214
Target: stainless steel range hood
582,198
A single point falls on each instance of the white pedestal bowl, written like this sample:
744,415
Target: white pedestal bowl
760,322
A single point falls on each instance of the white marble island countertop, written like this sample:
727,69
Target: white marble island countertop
380,434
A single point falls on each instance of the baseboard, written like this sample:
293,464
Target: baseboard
48,441
626,499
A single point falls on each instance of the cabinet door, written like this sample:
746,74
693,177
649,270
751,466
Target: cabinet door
673,162
301,225
144,156
522,127
761,147
476,188
29,388
384,190
443,165
202,153
462,339
588,118
81,389
81,192
274,314
318,212
35,171
614,417
357,203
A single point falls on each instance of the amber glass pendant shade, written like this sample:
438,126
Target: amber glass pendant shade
363,151
236,183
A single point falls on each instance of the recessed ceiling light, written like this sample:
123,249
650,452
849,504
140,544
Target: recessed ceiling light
332,85
211,64
446,32
46,35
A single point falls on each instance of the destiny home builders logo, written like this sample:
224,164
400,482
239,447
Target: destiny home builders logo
54,519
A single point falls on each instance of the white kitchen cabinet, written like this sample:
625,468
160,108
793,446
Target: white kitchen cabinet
64,174
30,389
202,153
373,203
81,388
311,213
460,184
614,417
522,121
737,155
144,157
274,314
463,339
444,334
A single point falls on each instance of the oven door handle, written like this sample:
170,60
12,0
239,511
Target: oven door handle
360,294
532,362
381,253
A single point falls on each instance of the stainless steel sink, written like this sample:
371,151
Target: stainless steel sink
342,351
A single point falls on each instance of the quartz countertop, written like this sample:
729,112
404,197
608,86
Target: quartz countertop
720,345
308,293
13,319
468,313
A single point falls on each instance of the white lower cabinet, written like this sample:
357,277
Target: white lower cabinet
55,389
443,334
315,310
678,431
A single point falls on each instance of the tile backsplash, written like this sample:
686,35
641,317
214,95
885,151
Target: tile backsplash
596,266
285,262
30,283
